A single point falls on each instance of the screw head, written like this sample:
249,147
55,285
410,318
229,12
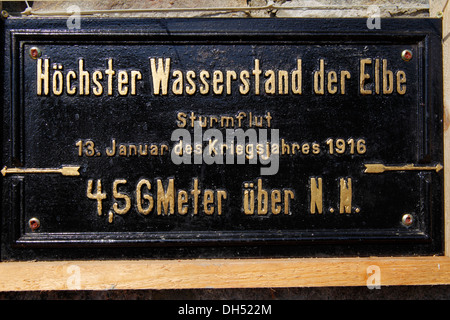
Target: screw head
35,52
407,55
4,14
407,219
34,223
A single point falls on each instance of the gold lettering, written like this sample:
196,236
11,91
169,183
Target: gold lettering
122,81
256,72
139,200
231,75
363,76
316,196
84,78
177,86
316,148
288,194
401,79
263,199
388,79
305,148
118,195
204,89
344,75
268,118
245,87
189,76
160,75
223,118
99,196
135,75
208,198
297,78
132,150
110,72
249,199
377,76
283,82
269,86
58,83
285,148
122,150
275,200
111,151
345,204
332,80
154,150
182,199
221,194
217,82
165,199
97,75
143,150
319,79
70,75
42,77
181,117
164,147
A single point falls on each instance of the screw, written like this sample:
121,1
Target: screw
34,223
5,14
407,219
35,53
440,14
407,55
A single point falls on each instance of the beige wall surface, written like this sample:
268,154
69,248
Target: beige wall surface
255,8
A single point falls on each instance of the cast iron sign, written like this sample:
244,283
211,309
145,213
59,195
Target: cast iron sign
221,138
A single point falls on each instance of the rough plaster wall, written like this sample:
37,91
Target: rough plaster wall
356,8
388,8
305,8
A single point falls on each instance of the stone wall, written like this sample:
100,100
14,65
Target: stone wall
255,8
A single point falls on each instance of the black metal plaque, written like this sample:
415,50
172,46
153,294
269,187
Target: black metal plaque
186,138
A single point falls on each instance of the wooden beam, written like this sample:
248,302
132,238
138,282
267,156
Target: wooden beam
222,273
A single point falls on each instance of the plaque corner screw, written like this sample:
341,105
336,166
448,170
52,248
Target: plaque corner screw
407,219
4,14
439,14
407,55
34,224
35,52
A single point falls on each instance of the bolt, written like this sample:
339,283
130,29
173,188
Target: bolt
407,219
407,55
5,14
35,53
34,224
